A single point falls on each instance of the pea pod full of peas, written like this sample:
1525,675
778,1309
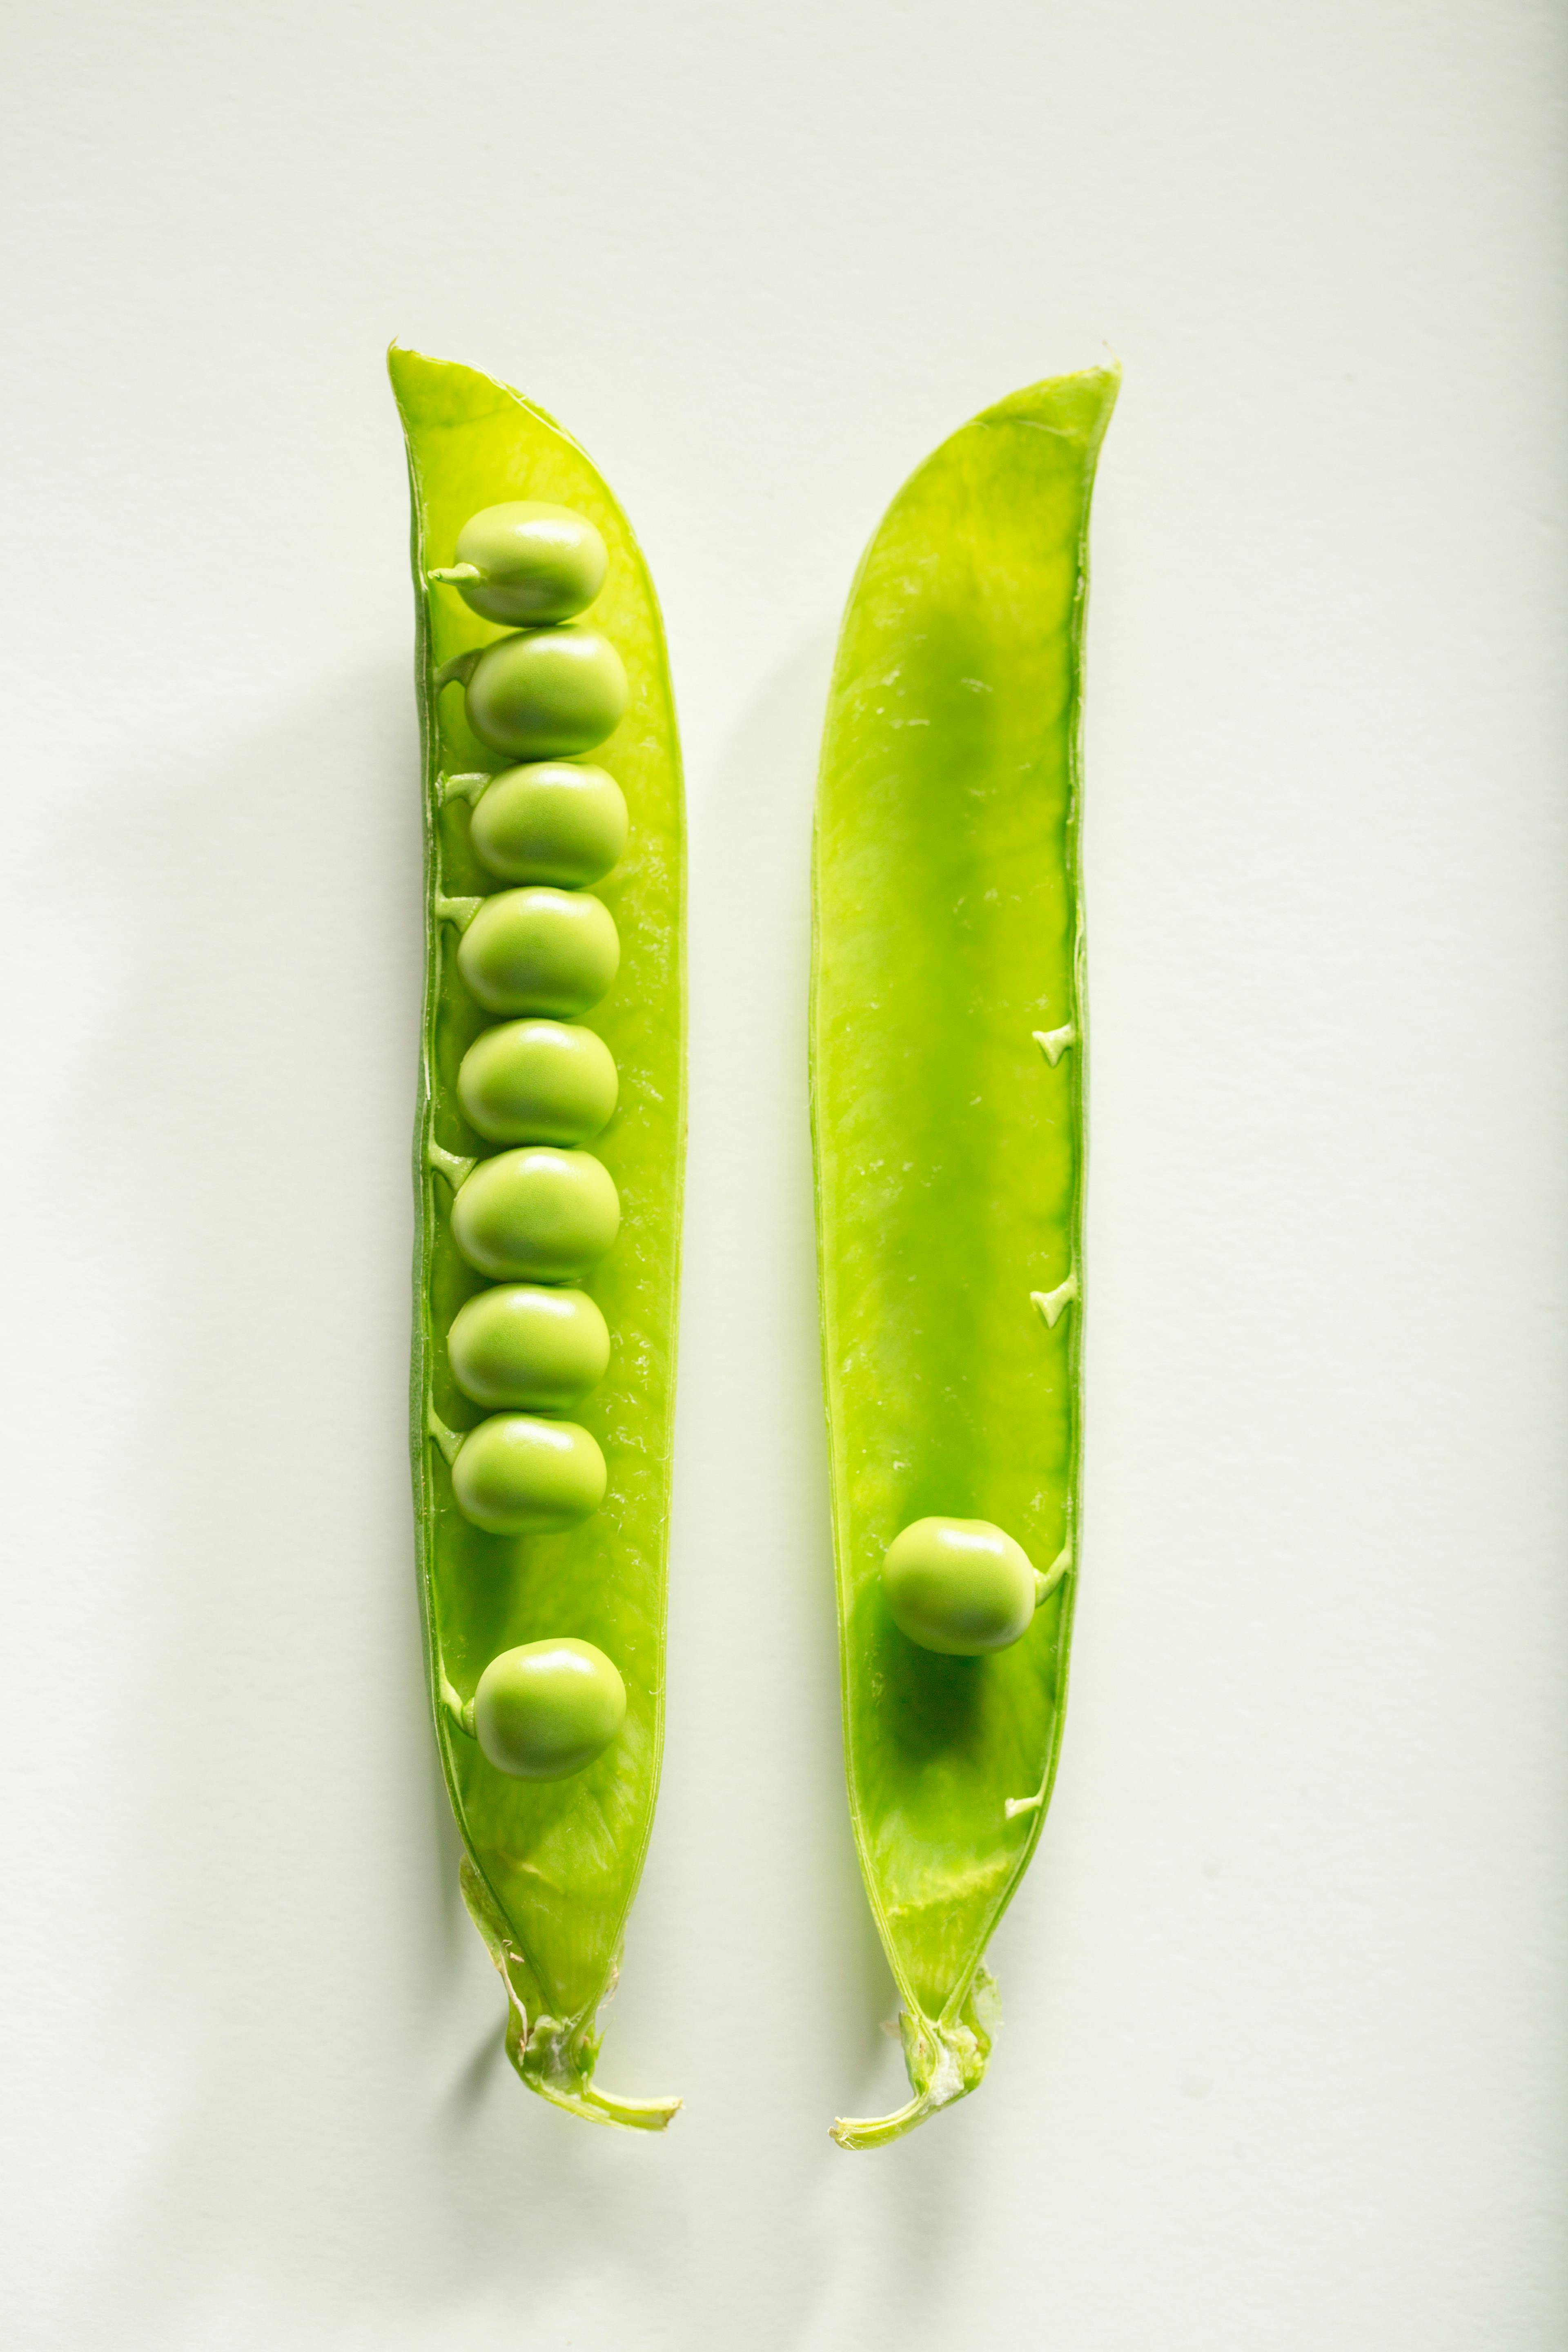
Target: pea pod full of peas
549,1151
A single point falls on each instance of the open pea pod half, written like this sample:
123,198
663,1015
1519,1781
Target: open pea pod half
948,1117
548,1174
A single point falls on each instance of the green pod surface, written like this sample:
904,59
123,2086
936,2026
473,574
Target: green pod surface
550,1867
948,1121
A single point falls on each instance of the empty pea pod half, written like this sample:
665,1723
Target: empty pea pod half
548,1173
947,1119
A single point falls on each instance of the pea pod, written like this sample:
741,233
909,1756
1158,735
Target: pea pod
548,1173
948,1121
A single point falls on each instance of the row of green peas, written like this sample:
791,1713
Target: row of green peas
537,1215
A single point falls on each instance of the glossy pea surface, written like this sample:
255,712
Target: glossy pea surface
947,1090
538,950
547,693
517,1475
546,1710
550,822
540,562
536,1215
521,1344
959,1587
537,1082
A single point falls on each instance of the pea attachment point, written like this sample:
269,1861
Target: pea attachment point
1054,1303
466,787
459,1711
450,1441
460,911
1046,1579
1054,1043
458,670
449,1164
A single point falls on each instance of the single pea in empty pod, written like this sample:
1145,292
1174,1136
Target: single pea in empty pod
550,822
960,1586
947,1100
537,1082
527,562
520,1344
516,1475
536,1215
541,695
546,1710
548,951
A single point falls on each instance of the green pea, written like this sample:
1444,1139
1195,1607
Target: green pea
519,1345
543,1711
537,1082
550,951
959,1586
528,561
947,1125
544,694
520,1476
536,1215
549,822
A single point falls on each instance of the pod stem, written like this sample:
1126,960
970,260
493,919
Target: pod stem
458,576
945,2058
594,2106
552,2055
876,2131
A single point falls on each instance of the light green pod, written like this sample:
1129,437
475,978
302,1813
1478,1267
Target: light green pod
537,1082
550,1867
546,1710
551,822
550,952
518,1476
544,694
536,1215
520,1344
525,563
947,1093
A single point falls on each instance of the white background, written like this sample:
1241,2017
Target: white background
1284,2058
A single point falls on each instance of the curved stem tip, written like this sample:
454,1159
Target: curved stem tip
945,2057
553,2056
